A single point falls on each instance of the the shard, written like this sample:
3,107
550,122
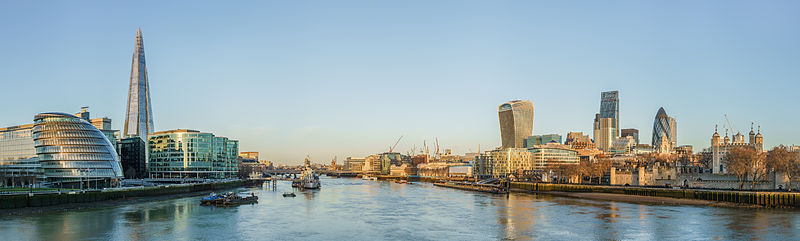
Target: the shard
139,115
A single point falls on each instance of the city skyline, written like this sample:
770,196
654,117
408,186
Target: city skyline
333,94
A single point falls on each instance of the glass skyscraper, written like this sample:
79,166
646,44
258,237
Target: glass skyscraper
516,122
665,132
139,117
609,108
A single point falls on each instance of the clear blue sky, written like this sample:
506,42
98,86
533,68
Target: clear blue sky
347,78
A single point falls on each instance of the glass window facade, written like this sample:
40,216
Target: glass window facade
192,154
19,165
72,150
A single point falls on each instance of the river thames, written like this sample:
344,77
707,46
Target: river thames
354,209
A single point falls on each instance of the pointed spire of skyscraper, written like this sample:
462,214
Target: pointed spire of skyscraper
139,117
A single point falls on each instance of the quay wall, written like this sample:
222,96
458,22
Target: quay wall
51,199
765,199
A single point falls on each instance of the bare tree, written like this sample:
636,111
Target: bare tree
783,161
746,161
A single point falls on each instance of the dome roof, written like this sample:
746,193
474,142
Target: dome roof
661,113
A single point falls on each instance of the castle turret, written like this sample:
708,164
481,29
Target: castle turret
726,140
759,140
715,138
752,135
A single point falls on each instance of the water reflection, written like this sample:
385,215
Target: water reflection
347,209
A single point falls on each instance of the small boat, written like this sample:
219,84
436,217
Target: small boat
286,194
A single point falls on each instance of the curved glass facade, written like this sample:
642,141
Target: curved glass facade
664,127
71,150
516,122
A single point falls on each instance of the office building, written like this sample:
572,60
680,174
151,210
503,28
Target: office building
19,165
354,164
184,153
577,140
624,145
606,123
249,156
74,153
551,155
632,133
516,122
133,155
604,133
103,124
511,161
139,115
542,139
609,108
665,132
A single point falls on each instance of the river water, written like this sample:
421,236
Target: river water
353,209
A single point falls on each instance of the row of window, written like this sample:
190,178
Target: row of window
77,157
71,141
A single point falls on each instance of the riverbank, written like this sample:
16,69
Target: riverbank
15,202
664,195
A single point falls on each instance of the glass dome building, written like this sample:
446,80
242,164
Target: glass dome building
73,152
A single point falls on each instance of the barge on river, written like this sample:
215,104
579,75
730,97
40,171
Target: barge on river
487,188
228,199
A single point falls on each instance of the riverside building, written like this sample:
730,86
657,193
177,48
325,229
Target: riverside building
184,153
73,152
19,165
133,155
552,155
511,161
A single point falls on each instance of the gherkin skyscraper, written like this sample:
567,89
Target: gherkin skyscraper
139,115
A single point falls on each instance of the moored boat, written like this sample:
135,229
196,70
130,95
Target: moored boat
308,179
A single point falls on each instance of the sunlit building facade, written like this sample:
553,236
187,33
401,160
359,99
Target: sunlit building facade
552,155
72,150
511,161
139,115
516,122
721,146
19,165
187,153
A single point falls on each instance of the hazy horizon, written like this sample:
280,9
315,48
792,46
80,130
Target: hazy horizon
348,78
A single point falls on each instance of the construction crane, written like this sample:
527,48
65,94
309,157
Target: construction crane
729,123
395,144
437,148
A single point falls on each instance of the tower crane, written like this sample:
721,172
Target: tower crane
395,144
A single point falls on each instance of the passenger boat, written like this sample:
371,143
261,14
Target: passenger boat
286,194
